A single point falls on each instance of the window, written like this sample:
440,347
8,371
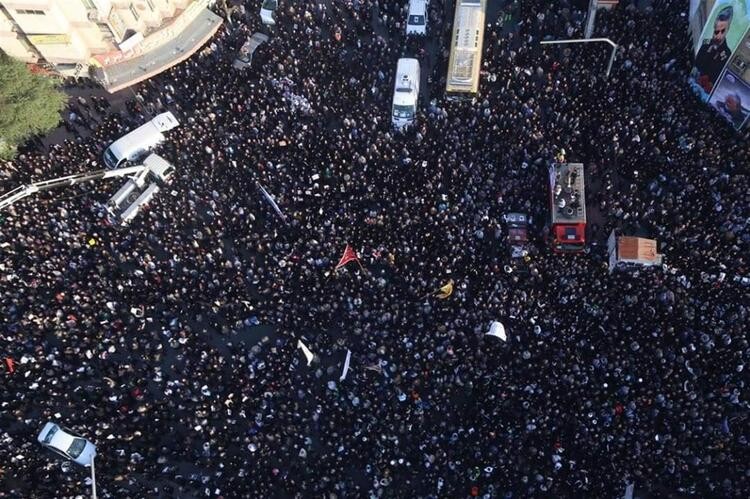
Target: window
76,447
106,31
134,12
150,5
50,434
30,12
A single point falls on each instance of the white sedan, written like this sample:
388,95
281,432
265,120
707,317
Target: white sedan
68,445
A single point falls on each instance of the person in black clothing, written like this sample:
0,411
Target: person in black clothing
145,340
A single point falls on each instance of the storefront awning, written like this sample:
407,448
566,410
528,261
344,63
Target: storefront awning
183,44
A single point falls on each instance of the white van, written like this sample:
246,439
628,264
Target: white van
139,141
416,23
405,92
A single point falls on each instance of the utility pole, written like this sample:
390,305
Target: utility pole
93,478
590,19
588,40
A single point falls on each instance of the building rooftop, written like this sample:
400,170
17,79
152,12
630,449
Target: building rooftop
184,44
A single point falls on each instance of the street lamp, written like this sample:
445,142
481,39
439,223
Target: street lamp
587,40
93,478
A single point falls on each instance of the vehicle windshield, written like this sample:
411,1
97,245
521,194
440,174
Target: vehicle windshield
269,4
403,111
50,434
76,447
570,247
110,158
416,20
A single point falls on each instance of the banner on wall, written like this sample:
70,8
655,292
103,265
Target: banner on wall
58,39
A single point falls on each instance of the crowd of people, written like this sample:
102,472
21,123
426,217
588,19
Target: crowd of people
171,343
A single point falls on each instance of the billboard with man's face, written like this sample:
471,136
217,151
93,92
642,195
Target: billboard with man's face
731,99
699,11
723,31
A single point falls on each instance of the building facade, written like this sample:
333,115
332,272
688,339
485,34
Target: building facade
69,36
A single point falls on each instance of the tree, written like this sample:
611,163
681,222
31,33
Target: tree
29,104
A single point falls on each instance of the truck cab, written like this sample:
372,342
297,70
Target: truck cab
139,190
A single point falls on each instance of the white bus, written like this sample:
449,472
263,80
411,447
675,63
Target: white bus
466,49
139,141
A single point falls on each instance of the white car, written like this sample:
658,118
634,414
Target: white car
64,442
416,22
267,8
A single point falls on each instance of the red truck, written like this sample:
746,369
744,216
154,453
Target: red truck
568,207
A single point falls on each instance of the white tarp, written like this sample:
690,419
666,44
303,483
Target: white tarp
271,201
346,365
308,354
498,330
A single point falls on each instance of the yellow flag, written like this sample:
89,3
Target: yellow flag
445,291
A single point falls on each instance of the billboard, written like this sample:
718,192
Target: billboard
731,99
724,28
60,39
739,64
699,11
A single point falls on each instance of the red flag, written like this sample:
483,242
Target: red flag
348,256
10,363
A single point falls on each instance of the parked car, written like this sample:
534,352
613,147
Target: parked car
65,443
267,9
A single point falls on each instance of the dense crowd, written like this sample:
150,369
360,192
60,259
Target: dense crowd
144,339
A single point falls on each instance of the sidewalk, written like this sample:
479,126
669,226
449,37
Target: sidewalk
117,102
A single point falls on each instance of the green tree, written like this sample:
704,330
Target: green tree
29,104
